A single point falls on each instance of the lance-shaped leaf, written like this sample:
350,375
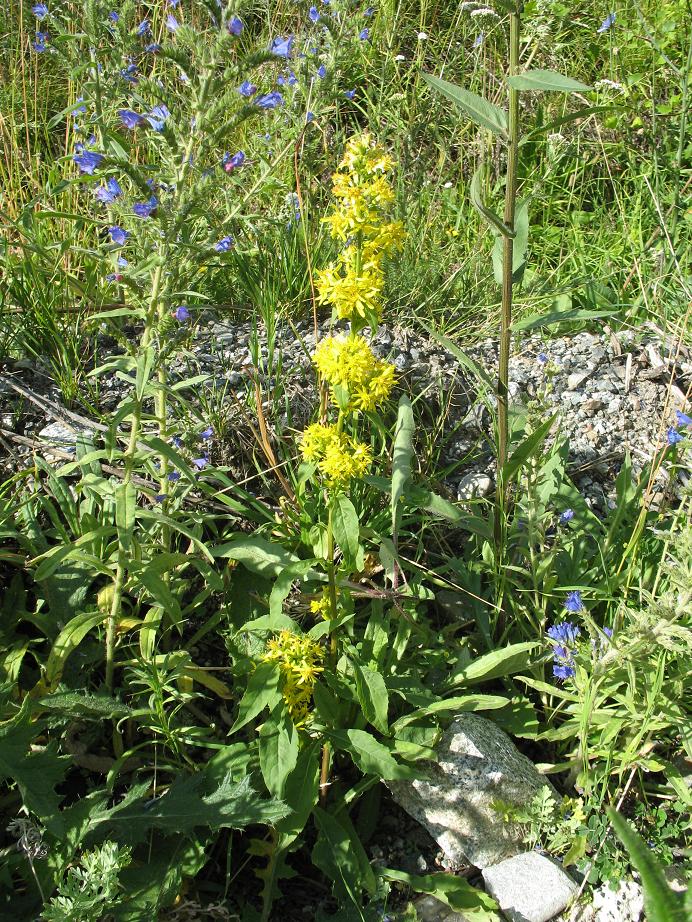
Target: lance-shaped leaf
519,248
546,80
495,221
481,111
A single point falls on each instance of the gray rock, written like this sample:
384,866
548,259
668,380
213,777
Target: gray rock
625,903
529,887
477,765
576,379
62,436
474,484
430,909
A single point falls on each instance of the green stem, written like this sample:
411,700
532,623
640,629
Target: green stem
333,640
507,282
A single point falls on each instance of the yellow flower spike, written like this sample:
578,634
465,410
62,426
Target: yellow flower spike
349,362
299,659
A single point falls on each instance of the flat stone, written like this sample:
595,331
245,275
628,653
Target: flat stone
477,766
473,485
529,887
576,380
430,909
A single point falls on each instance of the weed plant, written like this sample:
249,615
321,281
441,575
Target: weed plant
205,680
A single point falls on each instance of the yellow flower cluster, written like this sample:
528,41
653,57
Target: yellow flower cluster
348,363
299,658
339,458
322,606
353,284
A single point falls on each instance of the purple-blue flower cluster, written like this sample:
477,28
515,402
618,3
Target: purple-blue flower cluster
674,435
565,637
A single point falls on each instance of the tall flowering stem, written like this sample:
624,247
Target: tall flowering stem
507,276
357,380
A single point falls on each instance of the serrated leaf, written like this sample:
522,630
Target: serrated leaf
481,111
83,704
35,773
546,80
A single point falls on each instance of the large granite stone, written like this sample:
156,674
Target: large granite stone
529,887
477,766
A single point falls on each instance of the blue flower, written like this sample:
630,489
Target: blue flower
223,245
145,209
118,235
282,47
270,100
113,277
79,110
130,119
478,40
153,48
176,441
349,94
607,23
369,12
313,14
144,28
129,73
109,193
113,16
172,23
364,35
174,476
88,161
231,163
564,670
181,313
566,516
200,463
40,11
565,634
309,116
573,601
673,436
207,433
247,89
543,358
322,71
683,419
292,79
160,497
122,262
235,26
41,42
157,117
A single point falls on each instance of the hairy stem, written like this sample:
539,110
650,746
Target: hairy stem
507,280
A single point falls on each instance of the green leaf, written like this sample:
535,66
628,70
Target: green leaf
519,246
371,756
660,902
278,749
301,787
339,854
536,321
258,555
459,705
546,80
35,773
263,690
481,111
85,705
68,640
495,665
346,526
186,805
456,892
373,696
495,221
125,512
526,449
